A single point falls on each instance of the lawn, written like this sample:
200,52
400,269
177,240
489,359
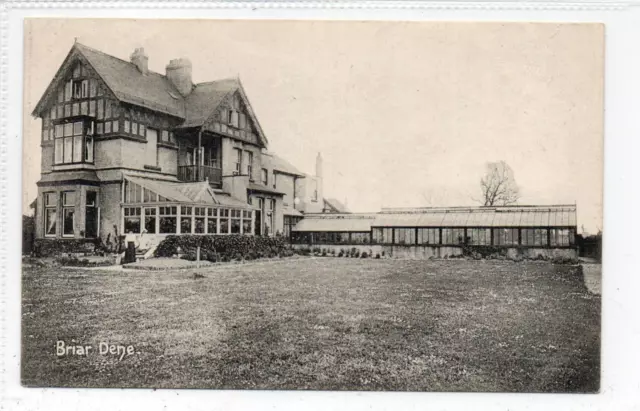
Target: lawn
325,323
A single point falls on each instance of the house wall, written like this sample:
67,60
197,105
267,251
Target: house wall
108,153
109,203
168,160
305,188
46,161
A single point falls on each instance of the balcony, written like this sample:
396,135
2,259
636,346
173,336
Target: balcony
200,173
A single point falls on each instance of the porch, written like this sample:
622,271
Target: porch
200,157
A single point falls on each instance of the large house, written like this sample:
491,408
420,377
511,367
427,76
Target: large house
127,150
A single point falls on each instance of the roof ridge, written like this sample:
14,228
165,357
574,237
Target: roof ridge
215,81
117,58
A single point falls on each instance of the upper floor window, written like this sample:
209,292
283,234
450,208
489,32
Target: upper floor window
250,165
73,142
233,118
264,177
273,178
238,162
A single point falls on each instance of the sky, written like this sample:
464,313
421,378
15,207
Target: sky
404,113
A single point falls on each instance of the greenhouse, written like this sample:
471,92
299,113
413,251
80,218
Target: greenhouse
534,227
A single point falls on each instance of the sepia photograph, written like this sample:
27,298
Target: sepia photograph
312,205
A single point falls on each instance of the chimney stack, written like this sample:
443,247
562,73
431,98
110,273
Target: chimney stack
179,74
319,165
140,60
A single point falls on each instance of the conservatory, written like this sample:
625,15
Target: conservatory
444,230
155,207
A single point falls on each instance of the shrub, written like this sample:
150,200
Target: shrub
341,253
324,252
45,247
357,254
224,247
378,255
364,254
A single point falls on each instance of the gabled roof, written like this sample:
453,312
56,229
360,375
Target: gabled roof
205,98
281,165
336,205
154,90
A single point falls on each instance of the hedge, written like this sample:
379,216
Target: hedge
223,247
45,247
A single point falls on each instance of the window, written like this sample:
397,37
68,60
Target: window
236,221
453,236
246,222
132,220
264,176
238,160
132,192
68,143
382,235
356,238
199,220
561,237
233,118
68,212
428,236
50,214
224,221
505,236
243,121
212,220
250,165
479,236
405,236
185,219
533,236
165,136
150,219
91,214
168,217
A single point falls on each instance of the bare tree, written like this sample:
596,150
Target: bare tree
498,185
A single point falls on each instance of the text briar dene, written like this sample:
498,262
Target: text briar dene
104,348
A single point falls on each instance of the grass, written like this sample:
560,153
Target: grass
318,324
